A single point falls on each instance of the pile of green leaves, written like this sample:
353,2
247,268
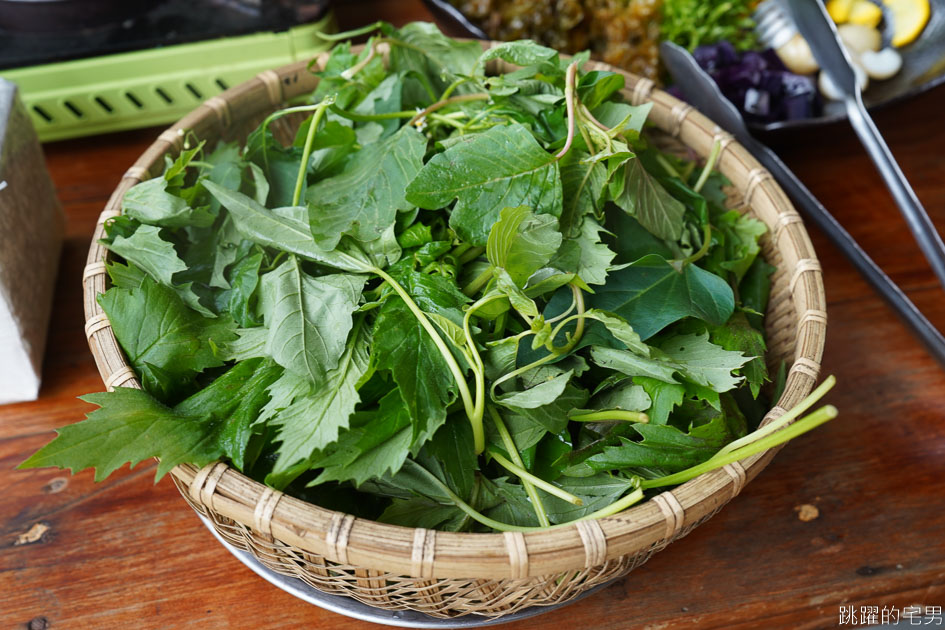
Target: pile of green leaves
454,300
693,23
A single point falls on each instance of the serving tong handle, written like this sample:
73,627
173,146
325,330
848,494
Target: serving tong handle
817,28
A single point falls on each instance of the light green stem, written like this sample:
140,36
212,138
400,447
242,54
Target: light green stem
803,425
569,98
512,449
462,98
307,150
556,352
611,415
279,114
479,371
471,255
446,120
478,282
337,37
370,117
784,419
613,508
709,165
662,161
452,86
706,243
361,65
444,350
523,474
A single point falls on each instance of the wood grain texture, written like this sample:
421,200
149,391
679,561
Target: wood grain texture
128,554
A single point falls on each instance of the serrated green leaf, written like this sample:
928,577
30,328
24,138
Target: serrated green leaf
665,447
738,335
363,200
664,396
644,198
703,362
585,255
312,421
633,364
308,318
402,346
157,330
370,449
130,426
486,172
146,249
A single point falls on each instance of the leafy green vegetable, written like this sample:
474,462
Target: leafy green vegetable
691,23
363,200
312,420
652,293
308,318
645,199
453,301
499,168
166,342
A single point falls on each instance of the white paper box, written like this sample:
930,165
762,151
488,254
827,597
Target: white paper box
31,227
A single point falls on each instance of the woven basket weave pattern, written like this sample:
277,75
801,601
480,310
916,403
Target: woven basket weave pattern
447,574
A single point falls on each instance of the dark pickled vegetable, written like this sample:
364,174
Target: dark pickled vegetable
759,84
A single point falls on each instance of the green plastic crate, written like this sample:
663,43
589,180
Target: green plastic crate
151,87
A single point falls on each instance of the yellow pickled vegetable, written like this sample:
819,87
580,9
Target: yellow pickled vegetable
865,13
839,10
909,17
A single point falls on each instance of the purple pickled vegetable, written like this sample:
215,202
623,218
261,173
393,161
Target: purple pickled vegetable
757,102
758,83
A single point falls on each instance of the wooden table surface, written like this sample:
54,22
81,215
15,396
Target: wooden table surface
128,554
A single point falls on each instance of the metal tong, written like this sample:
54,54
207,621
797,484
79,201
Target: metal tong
818,29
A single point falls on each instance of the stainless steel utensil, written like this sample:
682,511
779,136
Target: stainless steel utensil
817,28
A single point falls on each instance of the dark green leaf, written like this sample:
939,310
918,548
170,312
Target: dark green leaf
129,427
312,420
363,200
453,446
665,447
286,230
370,449
651,294
308,318
157,330
522,242
644,198
486,172
738,335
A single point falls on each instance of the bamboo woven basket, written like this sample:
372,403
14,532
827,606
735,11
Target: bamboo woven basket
446,574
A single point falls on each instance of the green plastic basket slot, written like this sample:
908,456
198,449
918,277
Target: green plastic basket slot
152,87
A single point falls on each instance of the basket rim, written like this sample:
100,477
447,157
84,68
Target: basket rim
425,553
